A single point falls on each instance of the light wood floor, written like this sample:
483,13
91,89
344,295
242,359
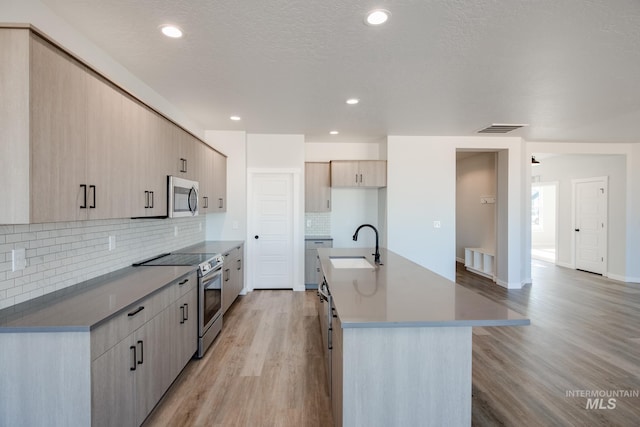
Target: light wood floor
265,368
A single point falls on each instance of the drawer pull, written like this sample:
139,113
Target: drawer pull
186,312
136,311
181,314
141,361
183,282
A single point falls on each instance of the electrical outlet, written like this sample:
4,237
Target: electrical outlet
18,259
199,226
235,225
436,224
112,242
175,231
308,223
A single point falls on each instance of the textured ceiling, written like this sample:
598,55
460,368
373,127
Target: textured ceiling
439,67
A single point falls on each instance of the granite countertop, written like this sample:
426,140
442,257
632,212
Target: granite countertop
84,306
400,293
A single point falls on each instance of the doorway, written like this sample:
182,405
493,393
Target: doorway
273,202
544,219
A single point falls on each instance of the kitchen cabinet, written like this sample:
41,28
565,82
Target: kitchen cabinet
336,371
130,377
311,263
219,182
77,147
317,187
206,184
232,276
359,173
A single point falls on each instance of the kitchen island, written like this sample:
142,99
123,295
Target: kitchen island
400,348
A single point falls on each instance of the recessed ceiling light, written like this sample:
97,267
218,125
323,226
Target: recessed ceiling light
171,31
377,17
235,118
334,132
352,101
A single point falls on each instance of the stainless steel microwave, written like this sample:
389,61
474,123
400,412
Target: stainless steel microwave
183,197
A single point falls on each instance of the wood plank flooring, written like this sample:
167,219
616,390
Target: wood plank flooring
266,369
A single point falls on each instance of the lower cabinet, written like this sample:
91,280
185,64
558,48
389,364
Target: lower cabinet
311,264
232,277
129,379
336,372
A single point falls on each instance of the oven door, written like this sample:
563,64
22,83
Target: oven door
210,303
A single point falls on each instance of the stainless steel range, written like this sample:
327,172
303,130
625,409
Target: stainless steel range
209,291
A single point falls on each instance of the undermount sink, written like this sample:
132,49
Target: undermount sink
350,262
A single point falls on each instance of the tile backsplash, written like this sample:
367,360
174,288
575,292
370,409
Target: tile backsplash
66,253
317,224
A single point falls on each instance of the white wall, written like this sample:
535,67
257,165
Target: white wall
421,189
232,224
625,267
39,15
475,222
279,152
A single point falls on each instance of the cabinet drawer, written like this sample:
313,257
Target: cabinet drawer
130,319
319,243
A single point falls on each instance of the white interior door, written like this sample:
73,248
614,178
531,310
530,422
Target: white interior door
590,221
272,230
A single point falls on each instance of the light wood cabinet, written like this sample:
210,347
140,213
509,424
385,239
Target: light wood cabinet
317,187
129,378
336,371
232,276
219,182
58,131
77,147
359,173
311,262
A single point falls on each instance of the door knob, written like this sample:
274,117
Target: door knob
577,229
256,237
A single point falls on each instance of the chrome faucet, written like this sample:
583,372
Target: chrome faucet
377,254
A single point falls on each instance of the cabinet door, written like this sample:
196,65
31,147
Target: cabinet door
153,374
113,401
373,173
220,183
206,179
317,184
185,159
228,271
345,173
336,372
109,167
187,320
238,279
58,134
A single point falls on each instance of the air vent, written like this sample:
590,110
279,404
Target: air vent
500,128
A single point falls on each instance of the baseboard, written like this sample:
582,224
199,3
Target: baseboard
565,265
509,285
460,260
623,278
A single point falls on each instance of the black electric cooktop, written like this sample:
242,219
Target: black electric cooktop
177,259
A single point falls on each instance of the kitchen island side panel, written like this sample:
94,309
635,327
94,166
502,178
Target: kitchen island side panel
407,376
45,379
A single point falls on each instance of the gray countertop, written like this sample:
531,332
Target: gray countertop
308,237
401,293
84,306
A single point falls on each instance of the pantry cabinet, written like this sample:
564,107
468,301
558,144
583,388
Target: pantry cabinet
317,187
359,173
77,147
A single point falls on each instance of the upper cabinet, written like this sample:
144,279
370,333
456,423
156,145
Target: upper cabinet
359,173
317,187
75,147
219,182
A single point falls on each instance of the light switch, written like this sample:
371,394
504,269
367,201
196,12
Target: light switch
234,225
18,259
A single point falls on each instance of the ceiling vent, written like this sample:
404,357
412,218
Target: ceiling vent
500,128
